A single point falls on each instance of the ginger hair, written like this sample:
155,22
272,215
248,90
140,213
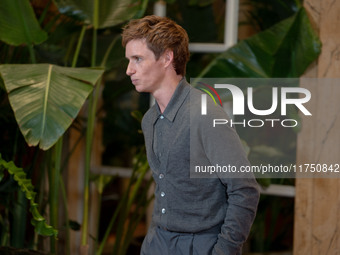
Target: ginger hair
160,34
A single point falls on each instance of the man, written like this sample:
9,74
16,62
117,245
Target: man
198,216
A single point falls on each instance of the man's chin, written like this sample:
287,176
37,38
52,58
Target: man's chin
139,88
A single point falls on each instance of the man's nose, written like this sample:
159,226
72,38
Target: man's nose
130,70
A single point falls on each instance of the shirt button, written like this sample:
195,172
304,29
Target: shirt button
161,117
162,194
161,176
163,211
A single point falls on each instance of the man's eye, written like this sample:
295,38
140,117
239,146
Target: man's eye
138,59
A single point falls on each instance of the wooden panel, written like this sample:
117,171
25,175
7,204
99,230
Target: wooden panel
75,187
304,187
317,225
329,61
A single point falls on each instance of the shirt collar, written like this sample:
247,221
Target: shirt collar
176,101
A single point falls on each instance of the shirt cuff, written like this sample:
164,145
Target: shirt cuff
223,247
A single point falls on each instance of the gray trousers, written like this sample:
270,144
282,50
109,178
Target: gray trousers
159,241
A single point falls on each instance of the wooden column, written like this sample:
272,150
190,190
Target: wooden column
317,204
75,187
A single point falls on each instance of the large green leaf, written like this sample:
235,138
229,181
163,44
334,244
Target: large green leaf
18,24
103,13
284,50
46,98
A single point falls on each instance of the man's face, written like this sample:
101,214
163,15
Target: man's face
145,71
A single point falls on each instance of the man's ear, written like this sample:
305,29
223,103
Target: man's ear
168,57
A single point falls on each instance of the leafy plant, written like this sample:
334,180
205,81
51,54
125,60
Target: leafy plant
262,14
131,208
25,29
102,14
38,221
46,98
284,50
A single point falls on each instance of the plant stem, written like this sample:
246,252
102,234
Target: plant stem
88,148
80,41
44,13
54,190
41,184
19,224
96,245
96,14
18,227
67,224
5,236
109,228
135,182
94,48
32,54
108,51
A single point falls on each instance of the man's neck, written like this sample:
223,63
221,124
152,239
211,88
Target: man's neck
164,93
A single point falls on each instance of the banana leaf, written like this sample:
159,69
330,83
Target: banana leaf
46,98
104,13
284,50
18,24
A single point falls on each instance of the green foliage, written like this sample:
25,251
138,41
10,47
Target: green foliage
284,50
131,208
262,14
18,24
105,13
46,98
38,221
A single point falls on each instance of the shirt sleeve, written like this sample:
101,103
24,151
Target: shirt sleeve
222,146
